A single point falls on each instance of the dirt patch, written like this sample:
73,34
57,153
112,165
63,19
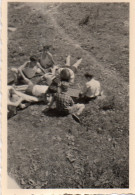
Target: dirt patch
47,151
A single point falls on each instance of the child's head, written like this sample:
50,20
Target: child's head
50,93
64,86
11,91
33,58
65,75
52,89
48,96
46,47
12,95
88,76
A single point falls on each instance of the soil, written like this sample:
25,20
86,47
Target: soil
50,151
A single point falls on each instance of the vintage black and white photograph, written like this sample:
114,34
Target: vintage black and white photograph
68,95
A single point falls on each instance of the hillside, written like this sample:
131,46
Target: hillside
47,151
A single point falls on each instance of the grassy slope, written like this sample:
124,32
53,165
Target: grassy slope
47,149
103,31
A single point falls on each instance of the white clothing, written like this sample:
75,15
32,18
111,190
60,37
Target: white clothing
39,90
92,88
72,75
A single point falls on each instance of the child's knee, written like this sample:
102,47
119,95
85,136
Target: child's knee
81,106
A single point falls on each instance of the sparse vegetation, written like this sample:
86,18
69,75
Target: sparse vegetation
56,152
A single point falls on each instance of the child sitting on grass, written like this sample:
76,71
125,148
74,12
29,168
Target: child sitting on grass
65,104
92,88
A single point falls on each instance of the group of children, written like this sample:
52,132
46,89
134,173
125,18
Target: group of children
52,86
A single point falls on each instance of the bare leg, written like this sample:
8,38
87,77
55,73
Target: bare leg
22,88
77,109
77,63
68,61
27,97
80,108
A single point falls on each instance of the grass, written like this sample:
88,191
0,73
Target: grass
43,151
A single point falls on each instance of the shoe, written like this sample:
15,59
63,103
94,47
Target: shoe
76,118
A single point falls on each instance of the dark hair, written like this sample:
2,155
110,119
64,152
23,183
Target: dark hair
65,75
56,81
52,89
88,75
33,58
46,47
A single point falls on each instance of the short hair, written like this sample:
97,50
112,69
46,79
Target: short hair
46,47
52,89
33,58
11,91
56,81
88,75
65,75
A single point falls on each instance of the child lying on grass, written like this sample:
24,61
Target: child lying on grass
65,73
29,68
15,99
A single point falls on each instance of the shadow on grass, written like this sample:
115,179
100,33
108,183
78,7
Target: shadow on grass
84,100
54,113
